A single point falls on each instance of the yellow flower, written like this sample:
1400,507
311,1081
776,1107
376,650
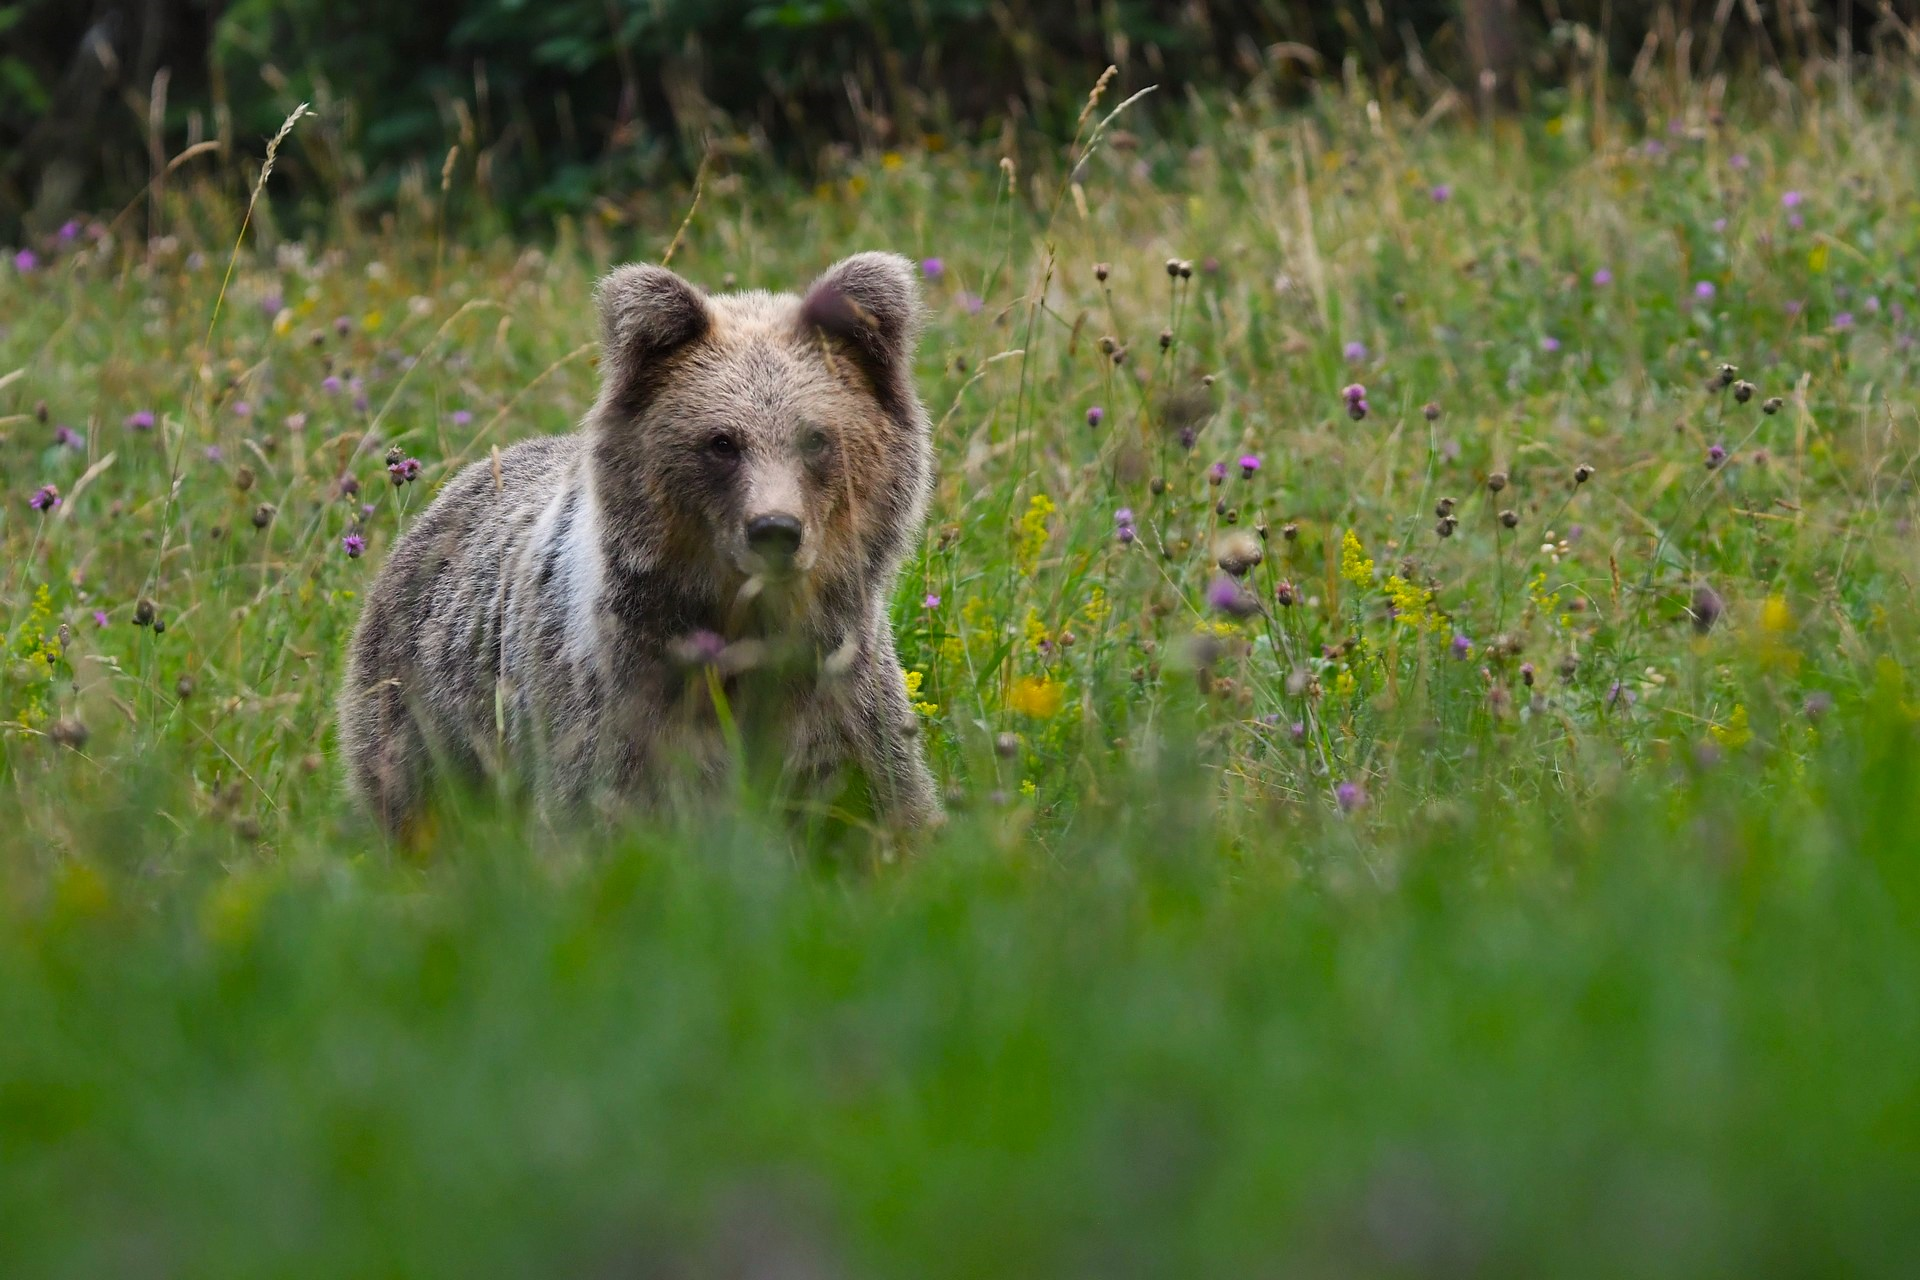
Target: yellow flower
1037,634
1735,732
1356,566
1411,605
1038,697
1098,608
1776,615
891,160
1027,788
372,321
913,680
1033,531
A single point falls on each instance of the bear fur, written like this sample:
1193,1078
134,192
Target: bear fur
598,616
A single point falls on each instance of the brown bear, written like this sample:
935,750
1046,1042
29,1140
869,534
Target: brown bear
610,613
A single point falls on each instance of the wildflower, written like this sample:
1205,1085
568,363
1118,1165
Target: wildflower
271,304
1355,352
66,437
140,420
1238,553
1349,796
932,268
1706,608
25,261
1356,397
45,498
342,325
1742,391
1441,193
1497,481
213,453
1217,473
1430,411
460,417
1719,224
69,231
1123,525
972,303
100,618
1461,646
1818,703
331,384
1704,290
1737,161
1297,733
1618,694
1716,456
1776,616
263,515
1725,377
1285,594
1844,320
354,545
1033,529
242,409
1549,344
1094,415
1249,464
1602,278
1228,597
1356,566
932,601
1792,199
403,470
144,613
701,648
1446,525
1772,405
1509,518
1037,697
1526,674
1582,473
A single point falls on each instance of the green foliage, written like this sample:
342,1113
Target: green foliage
1541,898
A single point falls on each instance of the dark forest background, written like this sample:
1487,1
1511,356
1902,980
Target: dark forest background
554,101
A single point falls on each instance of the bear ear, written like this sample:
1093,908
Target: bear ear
646,312
871,303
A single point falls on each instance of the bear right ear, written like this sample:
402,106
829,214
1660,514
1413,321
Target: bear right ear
646,312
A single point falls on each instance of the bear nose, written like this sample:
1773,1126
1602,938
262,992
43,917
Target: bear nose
774,535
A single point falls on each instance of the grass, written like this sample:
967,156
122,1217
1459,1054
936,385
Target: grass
1542,898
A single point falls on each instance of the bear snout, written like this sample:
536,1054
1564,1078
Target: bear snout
775,536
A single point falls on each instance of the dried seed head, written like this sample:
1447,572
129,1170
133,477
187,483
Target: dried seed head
1706,609
1006,745
1101,271
1108,344
1582,473
184,687
159,625
1173,268
1743,391
243,478
1290,531
1497,481
1158,485
1773,405
1432,411
144,613
1238,553
1444,507
68,732
1509,518
40,411
1166,339
1446,526
263,515
1724,379
1526,674
1186,269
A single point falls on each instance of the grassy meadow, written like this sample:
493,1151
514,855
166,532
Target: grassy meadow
1417,626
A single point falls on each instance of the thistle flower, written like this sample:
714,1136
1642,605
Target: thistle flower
1742,391
1441,193
1123,525
1704,290
1772,405
1094,415
331,384
45,498
1430,411
1844,320
1228,597
1356,397
1238,553
1549,344
1349,796
354,545
25,261
1355,352
932,268
242,409
1285,594
461,417
1217,473
1716,456
67,438
1249,464
972,303
931,602
140,420
403,470
1792,199
1460,646
296,422
1602,278
1706,608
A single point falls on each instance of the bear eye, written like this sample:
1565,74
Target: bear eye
723,446
813,441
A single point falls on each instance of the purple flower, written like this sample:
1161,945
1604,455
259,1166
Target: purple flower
701,648
1873,304
25,261
242,409
932,268
271,304
1095,414
460,417
1794,307
1349,796
1461,646
1228,597
1297,733
1356,409
1792,199
330,384
1123,524
140,420
366,511
342,326
1719,224
67,437
1217,473
1654,147
1618,694
45,498
1716,456
354,545
404,471
1795,221
1441,193
1123,516
1249,464
1704,290
1844,320
1353,391
100,618
1737,161
213,453
1355,352
1602,278
69,231
1549,344
932,601
972,303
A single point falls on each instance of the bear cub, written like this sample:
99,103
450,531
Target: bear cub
709,558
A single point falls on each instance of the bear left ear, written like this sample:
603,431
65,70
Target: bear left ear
871,303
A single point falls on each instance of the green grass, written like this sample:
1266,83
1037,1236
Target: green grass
1303,943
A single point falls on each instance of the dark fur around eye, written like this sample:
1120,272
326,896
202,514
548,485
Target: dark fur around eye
723,446
813,441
